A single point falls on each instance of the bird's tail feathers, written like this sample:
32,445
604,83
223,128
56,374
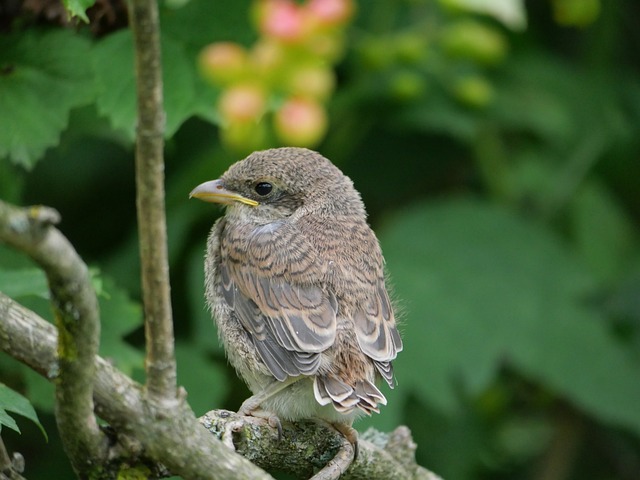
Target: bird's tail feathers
345,398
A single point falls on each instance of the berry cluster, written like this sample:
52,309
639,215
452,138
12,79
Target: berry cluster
453,52
274,92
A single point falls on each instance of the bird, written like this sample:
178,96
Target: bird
295,280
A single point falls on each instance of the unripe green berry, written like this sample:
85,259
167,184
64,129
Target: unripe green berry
476,41
407,85
473,91
314,81
223,62
242,103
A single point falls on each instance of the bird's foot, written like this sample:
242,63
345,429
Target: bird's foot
272,419
251,407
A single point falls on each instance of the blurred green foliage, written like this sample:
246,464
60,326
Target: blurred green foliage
496,145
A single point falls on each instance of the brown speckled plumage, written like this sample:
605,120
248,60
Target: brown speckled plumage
296,284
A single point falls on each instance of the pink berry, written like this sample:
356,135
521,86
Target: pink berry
283,20
301,122
331,12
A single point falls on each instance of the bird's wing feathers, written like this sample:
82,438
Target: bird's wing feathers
376,327
289,317
373,318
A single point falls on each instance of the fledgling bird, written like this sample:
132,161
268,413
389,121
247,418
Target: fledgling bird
294,278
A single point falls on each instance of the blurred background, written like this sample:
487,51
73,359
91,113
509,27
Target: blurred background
496,145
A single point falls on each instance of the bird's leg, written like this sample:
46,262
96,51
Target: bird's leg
252,406
345,456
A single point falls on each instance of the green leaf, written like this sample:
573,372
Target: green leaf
204,379
78,8
19,283
604,234
480,287
43,76
12,180
438,114
11,401
113,64
578,13
201,22
537,95
437,434
119,317
41,391
6,419
204,330
510,12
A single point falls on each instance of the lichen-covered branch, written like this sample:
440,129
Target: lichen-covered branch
306,446
75,306
142,432
160,358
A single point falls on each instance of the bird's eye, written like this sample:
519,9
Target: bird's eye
263,188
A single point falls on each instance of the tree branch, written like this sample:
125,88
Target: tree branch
160,359
28,338
176,439
76,312
308,445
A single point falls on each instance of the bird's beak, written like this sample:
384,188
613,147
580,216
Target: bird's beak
214,191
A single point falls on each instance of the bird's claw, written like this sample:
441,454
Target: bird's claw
274,422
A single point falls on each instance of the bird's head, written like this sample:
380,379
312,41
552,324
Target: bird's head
273,184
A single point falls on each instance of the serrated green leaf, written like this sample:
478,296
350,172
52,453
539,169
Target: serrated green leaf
44,75
19,283
11,401
78,8
113,64
482,286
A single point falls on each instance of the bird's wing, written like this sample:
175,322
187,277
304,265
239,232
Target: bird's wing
272,290
373,317
377,332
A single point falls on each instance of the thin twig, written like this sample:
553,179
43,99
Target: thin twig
75,305
10,469
160,360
